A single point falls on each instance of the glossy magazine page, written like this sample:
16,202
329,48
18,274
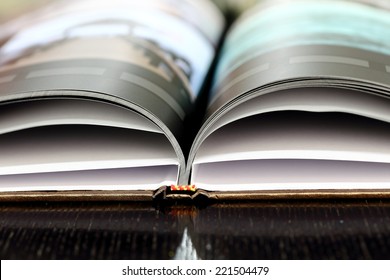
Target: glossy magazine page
291,75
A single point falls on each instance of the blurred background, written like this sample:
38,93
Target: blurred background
12,8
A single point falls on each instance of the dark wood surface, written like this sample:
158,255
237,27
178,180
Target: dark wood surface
324,229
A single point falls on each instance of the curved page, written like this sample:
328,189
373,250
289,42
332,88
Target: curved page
317,150
85,157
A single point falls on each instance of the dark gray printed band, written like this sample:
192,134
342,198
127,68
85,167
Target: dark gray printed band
96,71
300,63
135,84
329,59
107,69
148,85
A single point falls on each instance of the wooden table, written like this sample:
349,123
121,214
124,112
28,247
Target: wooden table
301,229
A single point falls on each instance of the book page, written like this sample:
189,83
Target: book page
47,112
303,99
311,99
124,179
295,134
61,151
118,69
291,136
172,28
288,175
284,42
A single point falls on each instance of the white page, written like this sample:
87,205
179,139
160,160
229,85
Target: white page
75,148
291,175
140,178
29,114
252,143
299,136
310,99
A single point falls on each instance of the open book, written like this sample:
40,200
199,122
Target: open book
95,96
